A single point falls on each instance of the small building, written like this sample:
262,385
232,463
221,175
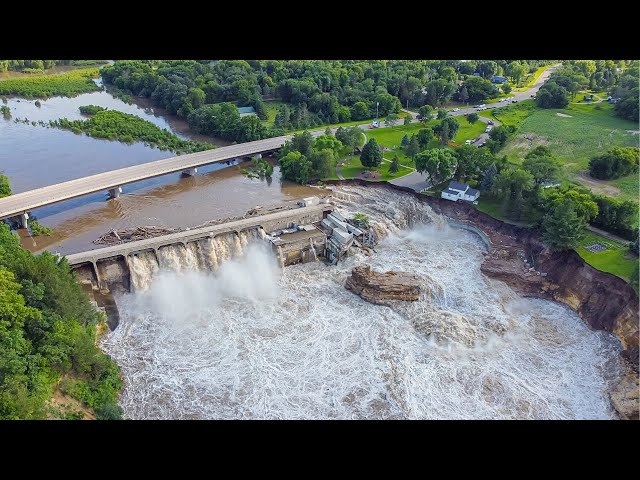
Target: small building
460,191
246,111
498,79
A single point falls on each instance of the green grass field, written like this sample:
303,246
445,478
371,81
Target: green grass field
352,168
514,114
616,259
392,136
586,132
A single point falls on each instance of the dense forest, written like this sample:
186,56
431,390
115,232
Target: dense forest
317,91
66,84
124,127
48,339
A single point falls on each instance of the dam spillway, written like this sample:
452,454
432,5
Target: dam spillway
253,340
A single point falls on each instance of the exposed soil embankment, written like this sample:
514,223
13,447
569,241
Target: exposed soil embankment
603,301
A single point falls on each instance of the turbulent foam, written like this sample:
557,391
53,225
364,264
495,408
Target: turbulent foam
251,340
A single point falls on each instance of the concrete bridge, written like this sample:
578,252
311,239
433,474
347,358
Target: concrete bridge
109,266
17,206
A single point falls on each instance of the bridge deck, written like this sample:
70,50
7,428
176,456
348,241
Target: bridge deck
26,201
192,235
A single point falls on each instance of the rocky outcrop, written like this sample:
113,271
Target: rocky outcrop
625,397
380,288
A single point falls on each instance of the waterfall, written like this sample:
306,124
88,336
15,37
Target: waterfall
313,250
206,254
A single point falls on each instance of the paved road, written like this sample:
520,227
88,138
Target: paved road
418,181
26,201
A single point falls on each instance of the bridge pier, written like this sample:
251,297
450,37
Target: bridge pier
115,192
22,220
257,156
189,172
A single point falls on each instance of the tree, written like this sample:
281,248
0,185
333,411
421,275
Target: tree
413,148
615,163
371,154
447,129
468,157
516,71
424,113
391,119
463,95
552,95
5,189
302,142
196,97
405,141
506,88
395,164
438,163
322,162
424,137
295,167
627,107
360,111
582,203
542,164
562,227
488,178
472,118
407,120
328,142
441,114
480,89
498,136
510,184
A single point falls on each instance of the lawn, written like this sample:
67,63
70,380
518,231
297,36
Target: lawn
616,259
493,206
513,114
392,136
271,106
352,168
588,131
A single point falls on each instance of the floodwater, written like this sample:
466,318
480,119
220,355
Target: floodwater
36,156
219,331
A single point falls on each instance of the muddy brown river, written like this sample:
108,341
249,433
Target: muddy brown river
36,156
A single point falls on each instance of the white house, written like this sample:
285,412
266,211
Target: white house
460,191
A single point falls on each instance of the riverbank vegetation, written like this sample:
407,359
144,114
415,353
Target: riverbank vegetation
311,92
127,128
30,66
67,84
48,339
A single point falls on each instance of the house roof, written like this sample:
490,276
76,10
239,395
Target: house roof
450,192
472,192
246,110
458,186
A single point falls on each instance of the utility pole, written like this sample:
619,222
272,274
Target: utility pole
377,103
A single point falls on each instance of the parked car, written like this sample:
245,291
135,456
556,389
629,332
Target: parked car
455,110
482,144
514,101
490,122
467,142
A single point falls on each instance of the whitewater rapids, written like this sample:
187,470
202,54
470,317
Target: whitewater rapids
246,339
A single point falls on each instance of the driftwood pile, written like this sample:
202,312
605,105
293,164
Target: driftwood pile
115,237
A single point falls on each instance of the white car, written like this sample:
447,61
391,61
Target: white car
455,110
468,142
